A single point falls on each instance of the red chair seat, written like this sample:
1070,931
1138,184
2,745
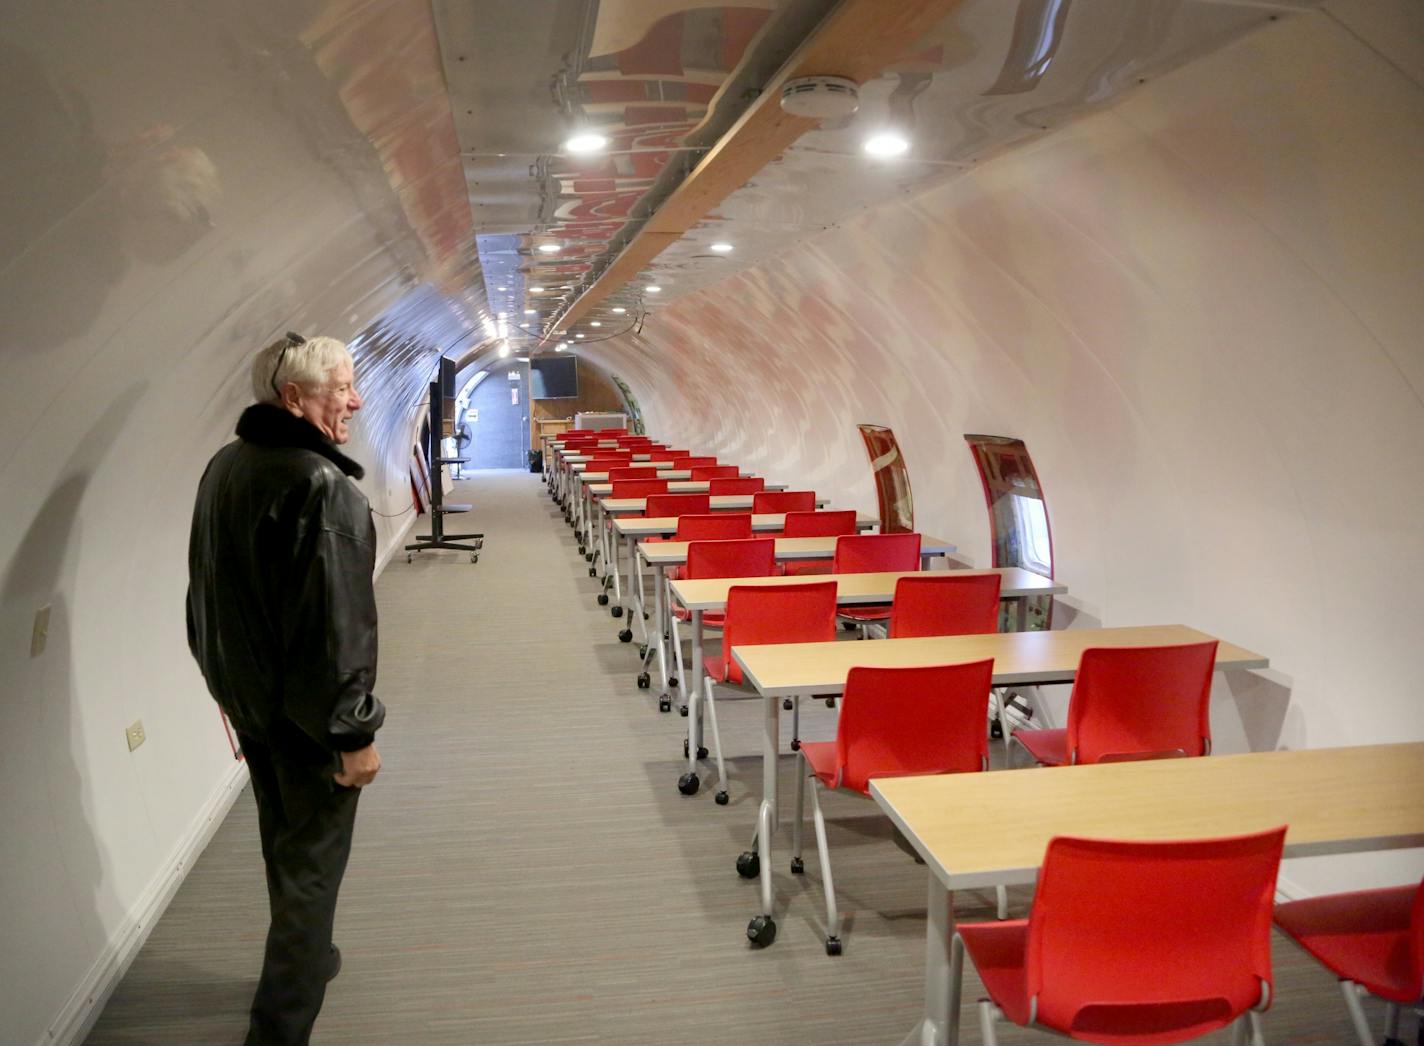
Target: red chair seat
999,951
864,613
709,619
1049,747
801,567
821,758
1362,937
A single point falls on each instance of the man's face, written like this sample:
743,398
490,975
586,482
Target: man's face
331,406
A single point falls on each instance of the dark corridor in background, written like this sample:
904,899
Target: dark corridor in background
499,429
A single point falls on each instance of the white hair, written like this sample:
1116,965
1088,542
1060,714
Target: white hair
309,364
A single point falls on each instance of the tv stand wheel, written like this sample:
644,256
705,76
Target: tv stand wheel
603,599
474,557
410,557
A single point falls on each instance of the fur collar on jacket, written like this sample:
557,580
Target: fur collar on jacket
271,426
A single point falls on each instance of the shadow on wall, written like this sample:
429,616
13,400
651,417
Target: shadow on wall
52,892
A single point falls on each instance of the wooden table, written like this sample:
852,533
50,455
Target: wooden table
977,830
791,669
710,594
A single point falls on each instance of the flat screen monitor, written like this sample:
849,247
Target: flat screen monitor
554,378
447,394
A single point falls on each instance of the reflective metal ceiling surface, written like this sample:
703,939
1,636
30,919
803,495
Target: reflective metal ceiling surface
662,78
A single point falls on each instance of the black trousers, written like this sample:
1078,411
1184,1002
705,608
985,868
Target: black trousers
305,822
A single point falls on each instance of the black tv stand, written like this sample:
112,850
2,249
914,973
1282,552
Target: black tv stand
437,538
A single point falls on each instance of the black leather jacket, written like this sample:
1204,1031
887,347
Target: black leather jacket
281,611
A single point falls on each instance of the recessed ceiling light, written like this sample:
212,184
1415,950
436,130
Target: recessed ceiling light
531,312
502,288
560,348
596,323
620,310
536,290
586,142
653,288
887,143
503,349
578,335
501,316
551,248
722,248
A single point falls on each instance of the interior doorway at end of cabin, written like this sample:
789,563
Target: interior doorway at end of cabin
498,419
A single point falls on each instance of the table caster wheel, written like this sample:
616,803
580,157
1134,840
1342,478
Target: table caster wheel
748,864
410,557
626,636
796,744
593,572
833,945
664,704
588,557
996,729
682,711
581,549
644,681
849,626
618,612
642,650
603,599
761,931
672,680
688,784
798,866
722,798
830,702
701,750
474,557
786,705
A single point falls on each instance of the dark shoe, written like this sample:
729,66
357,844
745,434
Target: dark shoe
335,963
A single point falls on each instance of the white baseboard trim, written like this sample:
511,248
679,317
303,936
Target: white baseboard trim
76,1019
396,544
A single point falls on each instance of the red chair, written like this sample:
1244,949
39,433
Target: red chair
715,526
815,525
894,722
710,472
873,553
692,461
638,488
1373,940
1132,942
632,472
751,485
678,505
1148,702
743,557
945,603
784,501
800,613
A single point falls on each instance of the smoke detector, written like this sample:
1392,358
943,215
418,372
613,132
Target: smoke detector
820,97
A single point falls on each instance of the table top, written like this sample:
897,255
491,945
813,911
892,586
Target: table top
711,593
977,830
783,669
720,502
580,468
595,480
647,526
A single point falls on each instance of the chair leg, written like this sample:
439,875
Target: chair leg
989,1015
1253,1019
1352,992
677,656
796,723
716,741
1001,894
956,976
833,919
797,826
1391,1022
996,697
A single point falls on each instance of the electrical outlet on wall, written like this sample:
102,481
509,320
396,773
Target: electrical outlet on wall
135,734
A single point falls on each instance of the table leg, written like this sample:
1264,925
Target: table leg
660,613
767,811
693,683
631,603
939,1026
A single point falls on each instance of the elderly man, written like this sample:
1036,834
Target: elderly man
282,621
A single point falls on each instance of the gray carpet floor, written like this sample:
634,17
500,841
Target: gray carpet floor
525,870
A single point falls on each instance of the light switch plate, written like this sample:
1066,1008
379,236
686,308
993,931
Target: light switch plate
135,734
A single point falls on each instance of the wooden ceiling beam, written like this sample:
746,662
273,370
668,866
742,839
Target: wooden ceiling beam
858,39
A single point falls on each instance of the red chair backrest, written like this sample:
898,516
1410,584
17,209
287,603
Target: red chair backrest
715,526
638,488
869,553
803,613
689,461
744,557
715,471
602,463
819,524
900,721
1141,702
673,452
1186,939
945,603
678,504
752,485
653,448
632,472
784,501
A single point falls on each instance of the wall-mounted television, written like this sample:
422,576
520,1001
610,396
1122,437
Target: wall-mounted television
447,396
553,378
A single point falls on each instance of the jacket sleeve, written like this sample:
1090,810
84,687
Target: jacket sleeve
330,622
